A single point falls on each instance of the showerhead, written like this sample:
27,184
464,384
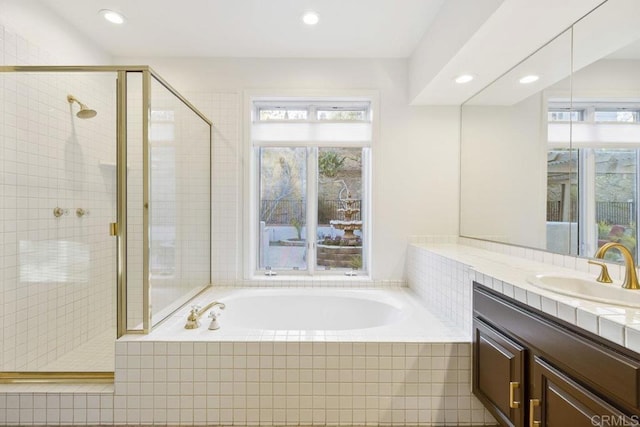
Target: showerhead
85,112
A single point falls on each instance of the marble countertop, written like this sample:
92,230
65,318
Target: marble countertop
507,274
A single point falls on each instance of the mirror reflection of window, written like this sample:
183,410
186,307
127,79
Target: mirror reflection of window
587,102
616,172
606,153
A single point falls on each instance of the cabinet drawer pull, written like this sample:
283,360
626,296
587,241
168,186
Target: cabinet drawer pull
532,406
513,385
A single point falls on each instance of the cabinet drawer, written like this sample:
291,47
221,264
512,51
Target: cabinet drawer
591,363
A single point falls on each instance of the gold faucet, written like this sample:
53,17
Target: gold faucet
193,320
630,277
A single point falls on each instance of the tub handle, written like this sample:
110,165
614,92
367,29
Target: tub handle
214,325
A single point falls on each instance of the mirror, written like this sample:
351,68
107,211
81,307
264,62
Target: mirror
504,149
554,164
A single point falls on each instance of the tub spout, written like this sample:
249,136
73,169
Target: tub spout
193,320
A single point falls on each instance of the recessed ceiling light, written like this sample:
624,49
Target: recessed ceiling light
529,79
464,78
111,16
310,18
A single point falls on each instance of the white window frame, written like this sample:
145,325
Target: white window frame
249,206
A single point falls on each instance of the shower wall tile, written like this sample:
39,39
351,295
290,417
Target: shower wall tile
180,205
223,109
57,274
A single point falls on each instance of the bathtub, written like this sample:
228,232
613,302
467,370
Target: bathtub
314,314
302,356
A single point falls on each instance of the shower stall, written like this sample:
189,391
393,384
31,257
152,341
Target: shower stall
105,213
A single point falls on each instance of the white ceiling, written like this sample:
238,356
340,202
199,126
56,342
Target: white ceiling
254,28
440,38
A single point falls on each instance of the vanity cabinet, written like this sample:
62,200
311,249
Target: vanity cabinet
531,369
500,380
560,401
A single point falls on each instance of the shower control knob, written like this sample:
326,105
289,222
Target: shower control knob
81,212
58,212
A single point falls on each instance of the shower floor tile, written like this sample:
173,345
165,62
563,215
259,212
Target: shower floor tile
96,355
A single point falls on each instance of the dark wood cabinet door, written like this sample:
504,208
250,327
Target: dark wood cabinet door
559,401
498,374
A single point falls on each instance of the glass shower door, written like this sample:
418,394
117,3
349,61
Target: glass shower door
58,197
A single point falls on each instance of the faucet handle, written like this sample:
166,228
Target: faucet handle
192,319
604,272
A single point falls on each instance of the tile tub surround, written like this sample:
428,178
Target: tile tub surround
443,284
373,376
264,384
290,383
506,268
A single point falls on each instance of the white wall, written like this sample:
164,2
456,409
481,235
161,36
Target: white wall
43,38
503,163
608,79
415,187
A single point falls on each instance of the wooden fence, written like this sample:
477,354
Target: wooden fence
283,212
622,213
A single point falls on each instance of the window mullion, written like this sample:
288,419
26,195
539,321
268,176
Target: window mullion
588,241
312,208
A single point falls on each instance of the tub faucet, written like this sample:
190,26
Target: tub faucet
630,277
193,320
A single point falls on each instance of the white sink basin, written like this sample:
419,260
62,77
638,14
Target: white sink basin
587,288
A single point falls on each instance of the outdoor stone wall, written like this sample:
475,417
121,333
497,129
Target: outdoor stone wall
339,256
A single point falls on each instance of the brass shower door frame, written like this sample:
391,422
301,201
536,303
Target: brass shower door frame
119,228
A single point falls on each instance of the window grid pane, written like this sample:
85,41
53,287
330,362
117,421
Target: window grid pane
340,225
266,114
283,188
341,114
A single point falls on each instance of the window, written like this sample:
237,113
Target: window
310,187
621,115
565,115
278,112
344,113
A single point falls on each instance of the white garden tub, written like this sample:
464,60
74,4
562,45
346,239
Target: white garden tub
310,314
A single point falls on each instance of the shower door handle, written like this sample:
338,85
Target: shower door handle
113,228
